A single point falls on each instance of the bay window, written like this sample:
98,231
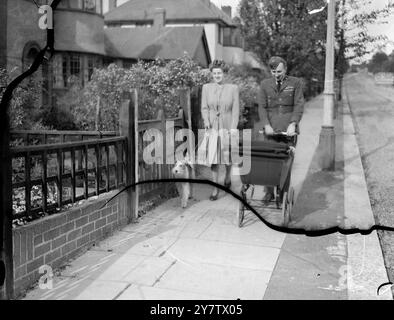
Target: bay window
69,68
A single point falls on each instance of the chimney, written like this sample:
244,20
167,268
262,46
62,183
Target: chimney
112,4
159,20
227,10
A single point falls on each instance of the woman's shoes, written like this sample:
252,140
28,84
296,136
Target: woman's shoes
227,185
214,197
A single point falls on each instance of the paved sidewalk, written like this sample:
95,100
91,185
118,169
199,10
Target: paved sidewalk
200,253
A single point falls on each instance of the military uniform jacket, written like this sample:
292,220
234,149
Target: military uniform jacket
280,108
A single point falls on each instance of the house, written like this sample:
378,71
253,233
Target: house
158,41
223,36
82,42
79,42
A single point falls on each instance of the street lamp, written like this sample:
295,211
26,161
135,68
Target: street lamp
327,134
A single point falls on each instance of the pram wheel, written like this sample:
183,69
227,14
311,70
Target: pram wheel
286,207
291,197
240,214
241,206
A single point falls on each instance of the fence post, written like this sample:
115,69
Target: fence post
97,118
163,165
128,126
187,113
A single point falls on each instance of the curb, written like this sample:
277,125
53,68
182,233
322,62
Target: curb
365,270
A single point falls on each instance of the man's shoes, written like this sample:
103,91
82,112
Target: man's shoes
268,197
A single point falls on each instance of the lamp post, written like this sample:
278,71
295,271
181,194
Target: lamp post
327,134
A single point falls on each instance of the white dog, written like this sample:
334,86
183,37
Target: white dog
183,169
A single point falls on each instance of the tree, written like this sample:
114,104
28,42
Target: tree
25,110
281,27
357,18
284,28
379,62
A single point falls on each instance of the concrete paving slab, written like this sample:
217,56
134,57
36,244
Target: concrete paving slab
140,244
253,232
102,290
118,270
89,262
189,229
223,281
135,292
193,252
309,269
149,271
62,286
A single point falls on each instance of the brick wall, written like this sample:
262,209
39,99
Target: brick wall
56,239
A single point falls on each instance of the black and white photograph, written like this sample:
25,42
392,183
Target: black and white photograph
197,155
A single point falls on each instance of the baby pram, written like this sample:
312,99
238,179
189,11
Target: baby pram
271,164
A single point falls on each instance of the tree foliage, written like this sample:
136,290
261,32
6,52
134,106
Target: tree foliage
357,16
381,62
25,109
157,81
285,28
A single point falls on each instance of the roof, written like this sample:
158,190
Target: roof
176,10
150,43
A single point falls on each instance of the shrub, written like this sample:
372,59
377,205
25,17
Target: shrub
25,109
157,81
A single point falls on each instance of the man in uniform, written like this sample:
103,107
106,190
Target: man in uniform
281,105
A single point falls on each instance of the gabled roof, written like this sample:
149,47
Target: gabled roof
176,10
150,43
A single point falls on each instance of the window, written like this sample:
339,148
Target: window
90,67
127,64
75,65
220,35
92,62
86,5
90,5
69,68
75,4
65,70
57,65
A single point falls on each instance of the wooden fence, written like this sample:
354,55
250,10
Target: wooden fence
154,171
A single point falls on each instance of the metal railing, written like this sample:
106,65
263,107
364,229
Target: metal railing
29,137
53,175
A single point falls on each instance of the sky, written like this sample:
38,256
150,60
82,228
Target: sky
385,29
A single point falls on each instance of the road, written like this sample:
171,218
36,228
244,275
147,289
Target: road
372,110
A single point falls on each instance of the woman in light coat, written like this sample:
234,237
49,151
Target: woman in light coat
220,112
